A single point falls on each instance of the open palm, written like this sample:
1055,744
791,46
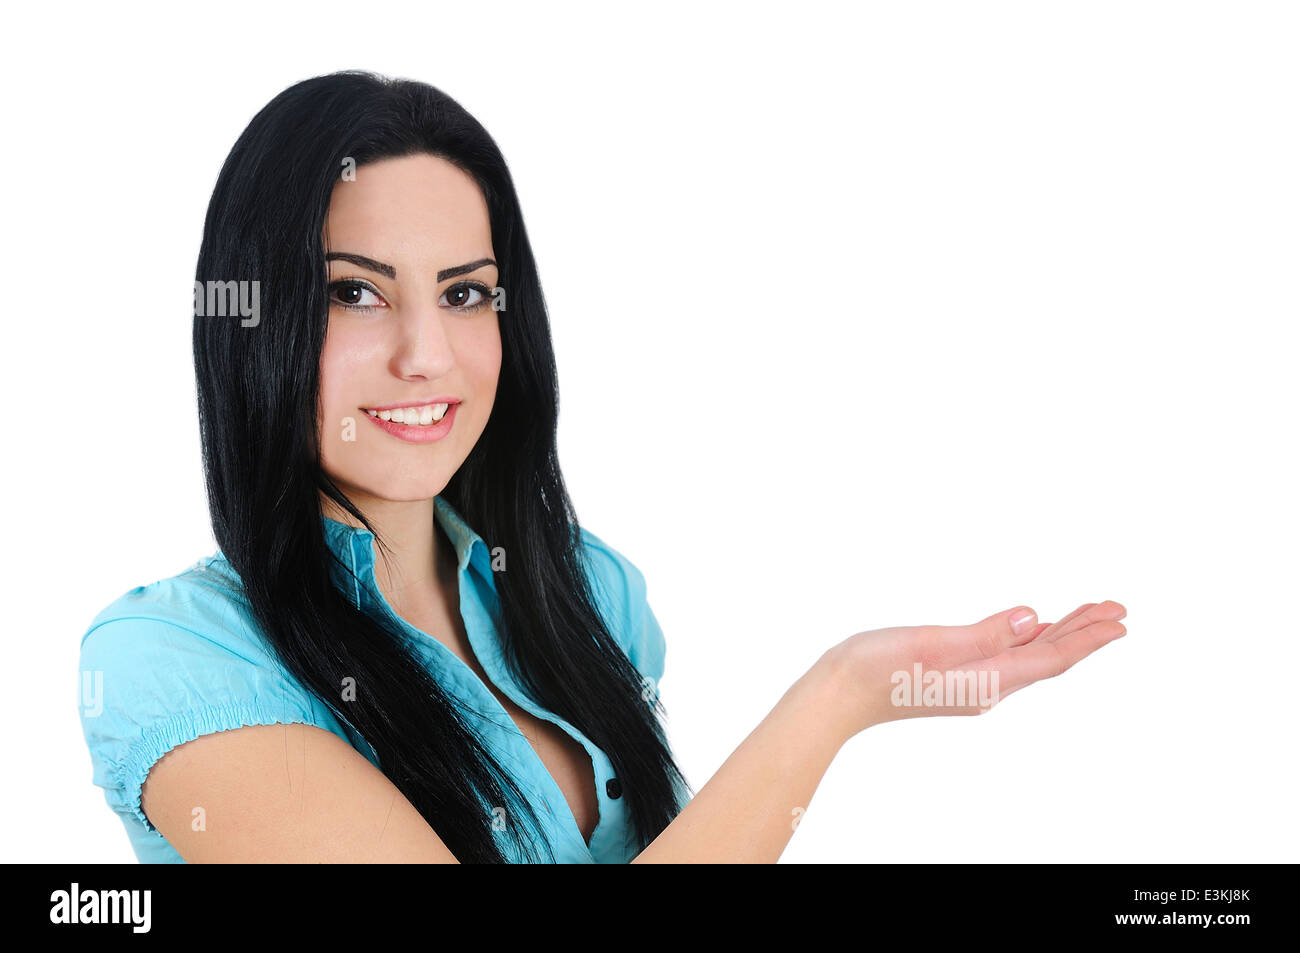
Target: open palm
912,671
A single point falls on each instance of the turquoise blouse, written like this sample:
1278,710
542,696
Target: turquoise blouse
183,657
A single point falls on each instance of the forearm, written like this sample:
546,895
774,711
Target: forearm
746,812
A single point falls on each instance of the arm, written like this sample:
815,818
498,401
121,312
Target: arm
746,812
284,793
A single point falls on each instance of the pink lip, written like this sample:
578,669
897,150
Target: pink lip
415,403
418,434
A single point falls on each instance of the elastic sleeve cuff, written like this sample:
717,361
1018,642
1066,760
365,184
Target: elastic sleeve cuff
183,727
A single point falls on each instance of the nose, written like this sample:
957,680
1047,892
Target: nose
422,348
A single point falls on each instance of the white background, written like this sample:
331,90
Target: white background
870,315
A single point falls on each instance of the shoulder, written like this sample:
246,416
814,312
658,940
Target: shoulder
620,591
620,579
195,618
173,660
206,596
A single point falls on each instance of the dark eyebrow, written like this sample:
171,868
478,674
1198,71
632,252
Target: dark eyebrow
387,271
391,272
464,269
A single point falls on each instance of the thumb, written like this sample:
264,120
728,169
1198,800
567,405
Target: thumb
989,637
1012,627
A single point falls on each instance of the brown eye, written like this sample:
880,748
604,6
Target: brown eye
466,296
352,294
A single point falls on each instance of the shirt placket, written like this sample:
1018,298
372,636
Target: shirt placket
522,762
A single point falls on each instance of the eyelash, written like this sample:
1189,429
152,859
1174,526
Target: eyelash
485,294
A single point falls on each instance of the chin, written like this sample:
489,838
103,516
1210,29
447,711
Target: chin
405,491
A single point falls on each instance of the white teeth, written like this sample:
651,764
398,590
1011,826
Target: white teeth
413,416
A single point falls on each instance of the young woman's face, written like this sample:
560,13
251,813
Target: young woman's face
411,327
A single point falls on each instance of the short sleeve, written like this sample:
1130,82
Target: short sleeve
620,587
149,685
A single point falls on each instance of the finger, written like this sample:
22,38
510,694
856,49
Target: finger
1107,611
944,646
1025,664
1060,623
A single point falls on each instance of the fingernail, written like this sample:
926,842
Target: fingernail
1022,620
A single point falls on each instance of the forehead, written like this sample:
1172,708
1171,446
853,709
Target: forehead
417,205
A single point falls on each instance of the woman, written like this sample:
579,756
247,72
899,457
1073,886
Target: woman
407,648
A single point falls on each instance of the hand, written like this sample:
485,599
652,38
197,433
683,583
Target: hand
963,669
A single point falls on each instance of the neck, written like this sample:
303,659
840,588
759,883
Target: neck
418,561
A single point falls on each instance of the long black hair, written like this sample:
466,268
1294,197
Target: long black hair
257,386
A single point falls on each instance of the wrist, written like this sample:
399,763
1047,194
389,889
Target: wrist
828,692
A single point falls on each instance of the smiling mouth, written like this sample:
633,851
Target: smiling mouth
425,416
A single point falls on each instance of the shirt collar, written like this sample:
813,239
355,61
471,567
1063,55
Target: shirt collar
352,544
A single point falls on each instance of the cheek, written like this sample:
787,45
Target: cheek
333,372
341,364
480,357
351,353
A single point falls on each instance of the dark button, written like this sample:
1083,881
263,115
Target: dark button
613,788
